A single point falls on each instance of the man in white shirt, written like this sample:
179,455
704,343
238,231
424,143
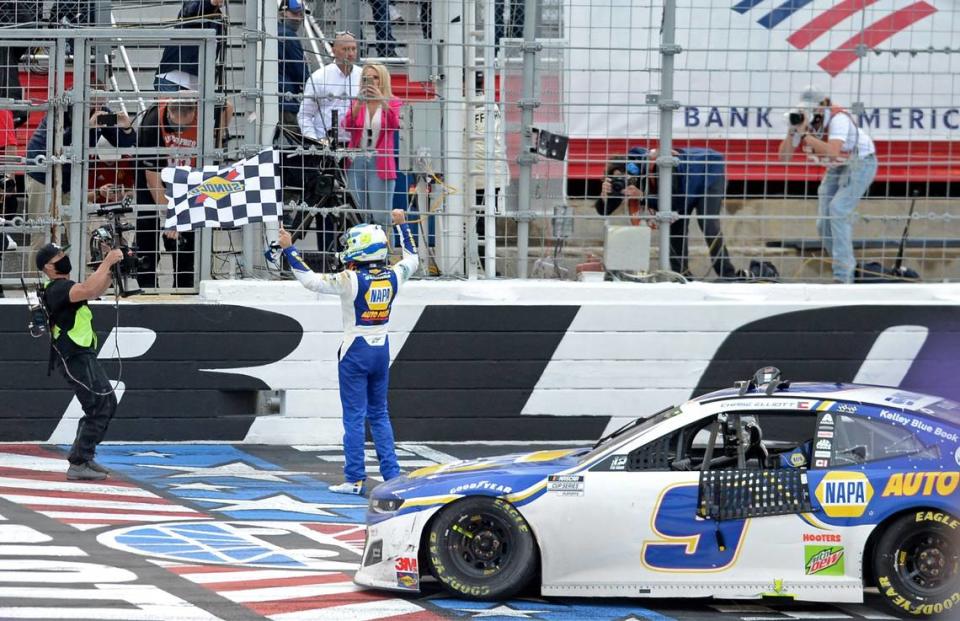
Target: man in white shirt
829,135
330,88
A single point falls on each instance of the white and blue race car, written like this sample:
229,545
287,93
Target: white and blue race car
771,489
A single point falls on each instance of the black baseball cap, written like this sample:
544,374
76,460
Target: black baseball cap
48,252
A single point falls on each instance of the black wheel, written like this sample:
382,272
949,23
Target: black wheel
917,564
482,548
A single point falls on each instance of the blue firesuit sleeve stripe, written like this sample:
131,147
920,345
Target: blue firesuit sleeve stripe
294,259
406,238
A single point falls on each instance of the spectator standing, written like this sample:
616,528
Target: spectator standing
75,345
330,88
170,124
293,71
372,122
118,134
386,45
367,290
699,185
830,136
25,13
180,64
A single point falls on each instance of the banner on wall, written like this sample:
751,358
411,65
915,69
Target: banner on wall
743,63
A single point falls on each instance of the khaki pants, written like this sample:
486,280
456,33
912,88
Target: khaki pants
38,208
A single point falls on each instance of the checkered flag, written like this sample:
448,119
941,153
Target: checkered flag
246,192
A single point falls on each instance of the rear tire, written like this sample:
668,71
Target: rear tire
481,548
917,564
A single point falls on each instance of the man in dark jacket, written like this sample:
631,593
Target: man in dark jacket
293,71
699,185
180,64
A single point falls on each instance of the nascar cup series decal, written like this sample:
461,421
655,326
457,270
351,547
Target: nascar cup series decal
565,484
844,494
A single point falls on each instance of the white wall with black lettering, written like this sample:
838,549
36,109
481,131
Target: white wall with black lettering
488,361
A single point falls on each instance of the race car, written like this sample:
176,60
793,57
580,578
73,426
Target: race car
808,491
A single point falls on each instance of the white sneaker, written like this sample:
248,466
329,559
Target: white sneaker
358,488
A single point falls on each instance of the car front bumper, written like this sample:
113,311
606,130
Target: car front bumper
390,555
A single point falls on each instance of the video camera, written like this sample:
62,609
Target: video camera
111,235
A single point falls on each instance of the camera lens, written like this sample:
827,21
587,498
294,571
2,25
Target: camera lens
796,118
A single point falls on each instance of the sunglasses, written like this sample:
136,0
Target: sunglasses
342,33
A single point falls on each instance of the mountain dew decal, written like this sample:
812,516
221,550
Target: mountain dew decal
823,560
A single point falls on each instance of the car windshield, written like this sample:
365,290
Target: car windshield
634,428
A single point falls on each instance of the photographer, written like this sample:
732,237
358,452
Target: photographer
830,136
699,184
116,128
75,347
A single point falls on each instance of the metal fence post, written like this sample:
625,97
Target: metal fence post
77,152
206,143
667,105
527,157
489,143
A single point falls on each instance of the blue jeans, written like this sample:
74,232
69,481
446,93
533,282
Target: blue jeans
364,373
373,195
840,191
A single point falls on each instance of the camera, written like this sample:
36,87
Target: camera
619,184
111,235
107,119
796,116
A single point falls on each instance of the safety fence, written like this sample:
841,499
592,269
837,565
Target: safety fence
549,139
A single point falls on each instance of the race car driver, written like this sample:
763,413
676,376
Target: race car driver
367,290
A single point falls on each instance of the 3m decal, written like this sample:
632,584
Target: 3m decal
406,564
688,544
844,494
823,560
922,484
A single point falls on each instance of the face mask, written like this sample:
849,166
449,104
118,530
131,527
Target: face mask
63,265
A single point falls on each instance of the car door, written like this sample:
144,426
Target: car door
628,520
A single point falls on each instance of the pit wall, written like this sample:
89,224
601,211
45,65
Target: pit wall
474,361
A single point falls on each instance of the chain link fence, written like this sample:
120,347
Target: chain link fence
547,139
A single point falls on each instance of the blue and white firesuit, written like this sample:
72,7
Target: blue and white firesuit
366,292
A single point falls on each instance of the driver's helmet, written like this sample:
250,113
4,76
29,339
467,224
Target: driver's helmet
364,243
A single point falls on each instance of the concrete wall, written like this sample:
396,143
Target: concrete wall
504,360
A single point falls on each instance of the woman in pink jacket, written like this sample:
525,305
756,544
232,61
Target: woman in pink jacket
372,122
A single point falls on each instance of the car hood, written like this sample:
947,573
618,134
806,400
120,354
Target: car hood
490,476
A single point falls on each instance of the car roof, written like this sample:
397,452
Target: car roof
880,396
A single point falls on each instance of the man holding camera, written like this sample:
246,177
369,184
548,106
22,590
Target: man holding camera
116,128
75,352
830,136
699,184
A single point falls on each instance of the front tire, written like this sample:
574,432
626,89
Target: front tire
917,564
481,548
